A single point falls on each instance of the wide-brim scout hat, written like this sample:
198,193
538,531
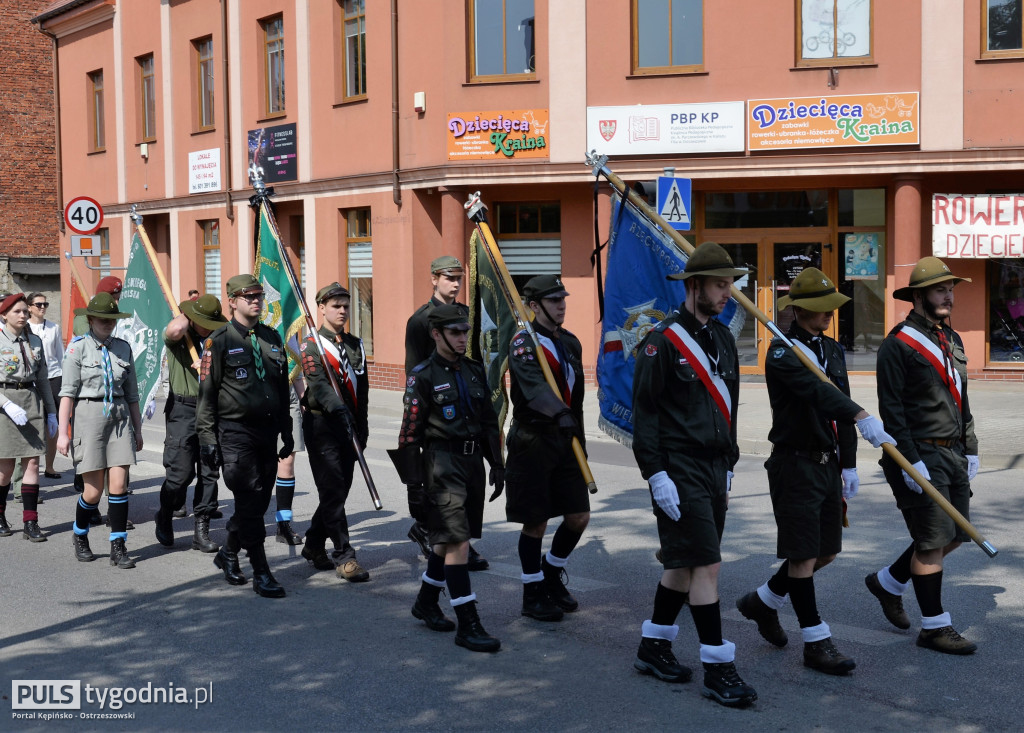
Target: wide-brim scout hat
448,316
710,260
446,265
544,286
927,272
813,291
102,305
243,285
204,311
334,290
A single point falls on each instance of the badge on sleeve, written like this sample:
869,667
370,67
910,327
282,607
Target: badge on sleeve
240,373
778,352
449,412
651,350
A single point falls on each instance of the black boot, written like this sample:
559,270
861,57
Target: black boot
82,550
119,555
5,528
163,528
824,657
428,611
476,560
227,561
556,587
655,657
32,533
286,534
722,683
537,604
317,557
262,581
471,634
201,537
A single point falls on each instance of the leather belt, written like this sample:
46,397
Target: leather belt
461,447
821,457
941,442
17,385
185,400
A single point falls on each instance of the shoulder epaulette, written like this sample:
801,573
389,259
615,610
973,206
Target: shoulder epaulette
420,367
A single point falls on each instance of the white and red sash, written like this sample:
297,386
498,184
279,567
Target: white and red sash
694,354
566,380
927,348
348,374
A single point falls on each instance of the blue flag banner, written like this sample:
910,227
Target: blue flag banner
637,296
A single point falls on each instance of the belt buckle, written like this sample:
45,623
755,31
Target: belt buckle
468,447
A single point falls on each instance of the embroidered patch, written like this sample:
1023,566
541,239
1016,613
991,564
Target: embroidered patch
410,381
529,357
415,401
651,350
778,352
273,348
303,347
449,412
239,350
240,373
518,352
439,387
683,361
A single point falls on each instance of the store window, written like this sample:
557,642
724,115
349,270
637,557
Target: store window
359,246
834,32
668,36
210,232
147,98
529,236
353,59
1006,314
766,209
203,54
273,65
97,140
1002,23
862,252
501,40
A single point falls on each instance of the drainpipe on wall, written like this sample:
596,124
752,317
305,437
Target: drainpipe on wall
56,124
396,193
227,109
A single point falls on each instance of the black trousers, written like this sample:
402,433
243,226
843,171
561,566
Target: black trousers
182,464
332,460
250,472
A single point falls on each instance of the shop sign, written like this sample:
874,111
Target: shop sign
833,122
275,150
204,170
977,226
509,134
659,129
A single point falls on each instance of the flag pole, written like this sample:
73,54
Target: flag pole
260,201
598,164
477,213
76,276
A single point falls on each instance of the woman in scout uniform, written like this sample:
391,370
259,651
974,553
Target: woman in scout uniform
24,397
99,384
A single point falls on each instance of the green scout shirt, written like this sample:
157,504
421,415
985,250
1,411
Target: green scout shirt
804,407
913,400
83,369
15,368
532,401
183,378
672,409
229,388
320,395
418,343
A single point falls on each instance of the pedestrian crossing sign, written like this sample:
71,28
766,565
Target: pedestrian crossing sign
674,196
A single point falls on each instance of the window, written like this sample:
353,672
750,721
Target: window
273,65
210,230
204,82
1006,311
862,252
529,237
300,242
104,235
147,98
97,141
834,32
359,246
668,36
1001,28
502,39
354,57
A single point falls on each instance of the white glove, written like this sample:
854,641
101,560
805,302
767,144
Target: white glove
16,413
51,425
911,483
665,495
973,464
150,410
872,431
728,481
851,483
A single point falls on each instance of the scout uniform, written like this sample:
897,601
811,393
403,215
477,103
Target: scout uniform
181,444
327,423
23,383
243,406
543,477
922,397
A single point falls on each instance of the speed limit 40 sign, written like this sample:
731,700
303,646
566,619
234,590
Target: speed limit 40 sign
83,215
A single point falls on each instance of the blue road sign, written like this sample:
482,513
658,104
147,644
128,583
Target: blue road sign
674,196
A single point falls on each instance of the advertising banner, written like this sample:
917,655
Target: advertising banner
508,134
977,226
204,170
275,149
657,129
833,122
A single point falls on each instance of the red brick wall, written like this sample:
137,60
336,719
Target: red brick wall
29,210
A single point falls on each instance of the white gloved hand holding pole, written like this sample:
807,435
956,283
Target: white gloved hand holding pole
911,483
851,483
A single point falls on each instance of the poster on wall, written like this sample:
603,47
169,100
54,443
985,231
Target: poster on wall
978,226
274,148
860,255
509,134
204,170
659,129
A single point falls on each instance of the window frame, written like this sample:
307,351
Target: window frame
354,327
1005,53
637,70
97,113
270,96
475,78
203,66
834,61
209,241
104,259
343,88
147,99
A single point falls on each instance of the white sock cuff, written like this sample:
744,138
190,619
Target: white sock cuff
718,654
936,622
890,584
532,578
815,633
558,562
770,599
656,631
430,581
465,599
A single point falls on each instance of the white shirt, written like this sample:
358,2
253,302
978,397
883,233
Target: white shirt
53,345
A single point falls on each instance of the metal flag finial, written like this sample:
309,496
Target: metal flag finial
135,216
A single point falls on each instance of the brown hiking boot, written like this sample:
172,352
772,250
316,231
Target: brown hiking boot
824,657
945,640
892,604
767,619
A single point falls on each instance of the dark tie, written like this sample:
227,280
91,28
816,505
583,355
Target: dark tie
345,366
257,356
464,398
947,357
818,346
707,342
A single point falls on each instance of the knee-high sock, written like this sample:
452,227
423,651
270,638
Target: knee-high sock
928,589
435,567
4,491
779,583
285,494
83,512
30,501
708,620
529,553
900,570
805,605
457,578
117,509
667,605
564,542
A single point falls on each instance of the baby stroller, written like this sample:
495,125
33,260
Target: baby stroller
1013,342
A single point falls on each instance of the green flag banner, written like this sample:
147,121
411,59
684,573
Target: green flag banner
142,296
281,309
493,322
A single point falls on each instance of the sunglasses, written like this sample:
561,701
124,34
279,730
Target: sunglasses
251,297
41,305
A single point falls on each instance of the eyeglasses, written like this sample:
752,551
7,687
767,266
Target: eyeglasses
41,305
251,297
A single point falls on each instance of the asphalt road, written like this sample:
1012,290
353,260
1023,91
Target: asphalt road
334,656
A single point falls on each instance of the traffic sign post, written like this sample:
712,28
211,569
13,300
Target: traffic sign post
83,215
674,196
